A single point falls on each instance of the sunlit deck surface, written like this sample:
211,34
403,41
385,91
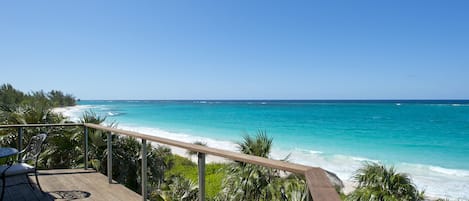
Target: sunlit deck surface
69,184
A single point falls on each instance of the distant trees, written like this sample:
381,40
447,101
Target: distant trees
17,107
10,95
11,98
64,147
60,100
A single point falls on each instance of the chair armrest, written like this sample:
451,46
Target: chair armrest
18,159
5,168
22,151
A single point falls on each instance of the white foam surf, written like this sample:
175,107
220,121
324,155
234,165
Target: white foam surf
219,144
74,113
436,181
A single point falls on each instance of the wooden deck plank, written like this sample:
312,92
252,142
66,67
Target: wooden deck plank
69,184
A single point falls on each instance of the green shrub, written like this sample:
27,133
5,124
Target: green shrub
214,173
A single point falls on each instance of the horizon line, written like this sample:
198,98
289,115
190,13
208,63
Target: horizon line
272,99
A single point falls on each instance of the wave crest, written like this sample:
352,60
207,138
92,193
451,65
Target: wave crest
436,181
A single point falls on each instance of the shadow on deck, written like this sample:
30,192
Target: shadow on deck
68,184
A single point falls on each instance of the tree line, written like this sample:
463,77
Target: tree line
12,98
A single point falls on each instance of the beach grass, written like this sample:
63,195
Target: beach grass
214,173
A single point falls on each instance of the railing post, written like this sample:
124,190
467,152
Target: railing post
144,169
201,164
20,140
109,157
86,148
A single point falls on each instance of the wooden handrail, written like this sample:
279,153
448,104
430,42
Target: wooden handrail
290,167
320,186
318,183
40,125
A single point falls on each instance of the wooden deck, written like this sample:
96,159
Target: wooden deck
69,184
320,187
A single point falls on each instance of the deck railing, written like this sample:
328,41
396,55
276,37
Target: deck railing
320,187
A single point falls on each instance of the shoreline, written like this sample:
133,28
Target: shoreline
348,185
337,164
183,153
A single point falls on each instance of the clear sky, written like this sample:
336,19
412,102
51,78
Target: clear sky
237,49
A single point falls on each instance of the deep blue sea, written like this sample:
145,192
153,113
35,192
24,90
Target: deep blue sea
427,139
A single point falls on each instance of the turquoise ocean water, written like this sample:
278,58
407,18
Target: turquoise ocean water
427,139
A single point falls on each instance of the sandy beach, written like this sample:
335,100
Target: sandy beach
75,112
348,185
71,112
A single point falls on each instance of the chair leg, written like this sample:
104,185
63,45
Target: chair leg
37,181
3,187
29,181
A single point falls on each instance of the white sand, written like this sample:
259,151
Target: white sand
74,112
349,186
182,152
71,112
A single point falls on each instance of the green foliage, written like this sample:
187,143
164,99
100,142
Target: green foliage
97,141
178,188
159,159
29,114
126,153
252,182
214,173
294,186
342,196
91,117
12,98
184,167
257,146
171,177
58,99
17,107
64,149
376,182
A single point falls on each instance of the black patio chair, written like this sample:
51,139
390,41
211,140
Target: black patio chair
22,166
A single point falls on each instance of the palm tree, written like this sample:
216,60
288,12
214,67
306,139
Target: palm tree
60,140
292,188
10,95
64,148
126,156
252,182
376,182
97,140
159,160
63,144
258,146
179,188
91,117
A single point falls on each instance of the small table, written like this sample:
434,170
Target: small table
7,151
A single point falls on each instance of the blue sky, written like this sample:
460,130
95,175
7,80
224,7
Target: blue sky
239,49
